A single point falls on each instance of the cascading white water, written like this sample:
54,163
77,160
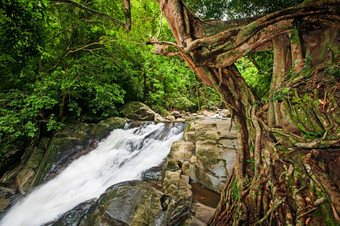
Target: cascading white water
124,155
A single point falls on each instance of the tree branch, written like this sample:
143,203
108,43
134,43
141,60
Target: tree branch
126,9
82,48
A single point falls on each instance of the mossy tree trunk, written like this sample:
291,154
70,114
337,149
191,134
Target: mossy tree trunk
287,171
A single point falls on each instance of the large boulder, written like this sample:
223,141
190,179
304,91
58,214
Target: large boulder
133,203
104,127
207,153
10,153
138,111
72,142
75,215
64,147
128,203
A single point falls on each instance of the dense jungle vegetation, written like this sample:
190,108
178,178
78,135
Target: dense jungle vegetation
60,63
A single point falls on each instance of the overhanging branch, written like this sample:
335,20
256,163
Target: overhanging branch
126,10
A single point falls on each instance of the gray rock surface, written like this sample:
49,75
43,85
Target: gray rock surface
132,203
138,111
206,154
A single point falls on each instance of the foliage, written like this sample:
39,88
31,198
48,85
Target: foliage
257,77
208,9
235,9
244,8
21,39
169,84
61,63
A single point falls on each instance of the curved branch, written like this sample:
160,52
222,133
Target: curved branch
126,9
222,47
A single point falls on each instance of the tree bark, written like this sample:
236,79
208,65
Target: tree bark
287,166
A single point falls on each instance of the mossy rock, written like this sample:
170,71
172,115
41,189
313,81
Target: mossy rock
181,150
24,179
208,153
74,216
4,203
35,158
127,203
76,131
104,127
138,111
64,144
9,155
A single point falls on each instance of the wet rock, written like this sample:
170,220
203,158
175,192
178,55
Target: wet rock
137,203
128,203
104,127
180,120
225,112
208,113
199,175
10,154
170,118
7,195
176,114
177,186
26,176
138,111
74,216
222,113
63,146
158,118
24,179
4,203
10,175
153,174
202,212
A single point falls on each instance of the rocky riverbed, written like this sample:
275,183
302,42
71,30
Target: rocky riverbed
185,189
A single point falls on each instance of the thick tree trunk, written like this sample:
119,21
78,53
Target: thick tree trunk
287,171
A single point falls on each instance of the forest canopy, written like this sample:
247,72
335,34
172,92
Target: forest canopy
60,63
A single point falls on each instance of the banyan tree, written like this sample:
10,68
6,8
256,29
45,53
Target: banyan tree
288,164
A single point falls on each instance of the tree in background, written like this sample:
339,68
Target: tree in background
64,61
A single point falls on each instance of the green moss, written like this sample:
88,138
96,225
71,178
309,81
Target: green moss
104,127
294,38
138,111
324,214
248,30
229,46
172,166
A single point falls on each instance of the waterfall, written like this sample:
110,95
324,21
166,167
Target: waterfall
124,155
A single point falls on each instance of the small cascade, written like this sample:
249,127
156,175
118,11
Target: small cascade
124,155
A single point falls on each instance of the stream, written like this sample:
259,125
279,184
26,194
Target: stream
124,155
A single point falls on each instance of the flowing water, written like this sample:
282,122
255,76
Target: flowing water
124,155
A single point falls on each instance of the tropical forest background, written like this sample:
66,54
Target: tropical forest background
59,63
